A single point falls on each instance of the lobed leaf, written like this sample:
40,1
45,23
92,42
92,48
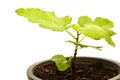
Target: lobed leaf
96,32
98,29
45,19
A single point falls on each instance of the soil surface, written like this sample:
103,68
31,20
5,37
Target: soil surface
83,71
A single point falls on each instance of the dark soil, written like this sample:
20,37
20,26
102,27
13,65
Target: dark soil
83,71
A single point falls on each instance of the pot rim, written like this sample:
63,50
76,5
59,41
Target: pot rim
32,76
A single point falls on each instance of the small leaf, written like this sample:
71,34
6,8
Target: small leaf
84,20
58,58
61,62
76,27
45,19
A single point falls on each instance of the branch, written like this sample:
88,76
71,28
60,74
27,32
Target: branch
95,47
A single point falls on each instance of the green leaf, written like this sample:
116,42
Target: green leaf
45,19
103,22
96,32
69,61
76,27
110,32
106,24
84,20
61,62
97,29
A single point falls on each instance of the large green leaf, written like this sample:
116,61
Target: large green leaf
45,19
96,32
97,29
61,62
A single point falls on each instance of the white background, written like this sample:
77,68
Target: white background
23,43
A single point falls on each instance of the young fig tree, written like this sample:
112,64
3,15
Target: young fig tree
95,29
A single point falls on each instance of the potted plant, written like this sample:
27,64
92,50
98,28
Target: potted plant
73,68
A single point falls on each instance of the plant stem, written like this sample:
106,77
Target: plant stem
82,39
75,54
77,44
70,34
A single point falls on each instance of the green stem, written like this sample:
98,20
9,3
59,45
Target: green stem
70,34
75,54
77,44
82,39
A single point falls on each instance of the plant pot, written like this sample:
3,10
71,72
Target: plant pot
105,62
